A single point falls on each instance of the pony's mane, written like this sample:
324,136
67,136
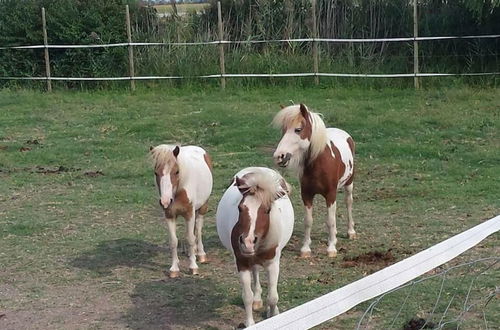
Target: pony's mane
291,116
162,155
265,185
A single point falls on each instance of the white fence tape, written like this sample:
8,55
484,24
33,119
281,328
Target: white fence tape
341,300
339,40
258,75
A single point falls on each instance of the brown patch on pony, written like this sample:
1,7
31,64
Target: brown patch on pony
322,176
180,206
261,255
208,160
203,209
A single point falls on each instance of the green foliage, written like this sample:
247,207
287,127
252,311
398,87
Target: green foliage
69,22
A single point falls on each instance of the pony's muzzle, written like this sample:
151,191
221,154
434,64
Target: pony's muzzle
283,159
247,245
165,202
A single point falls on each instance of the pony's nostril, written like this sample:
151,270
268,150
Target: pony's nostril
171,200
241,239
255,240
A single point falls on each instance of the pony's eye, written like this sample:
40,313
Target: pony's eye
177,172
298,130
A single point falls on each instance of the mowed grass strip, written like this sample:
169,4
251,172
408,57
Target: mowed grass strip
82,239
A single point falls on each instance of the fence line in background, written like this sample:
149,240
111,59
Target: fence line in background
341,300
315,40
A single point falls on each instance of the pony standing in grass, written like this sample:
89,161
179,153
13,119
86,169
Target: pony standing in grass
184,180
255,221
324,161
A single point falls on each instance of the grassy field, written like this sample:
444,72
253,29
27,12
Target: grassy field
83,244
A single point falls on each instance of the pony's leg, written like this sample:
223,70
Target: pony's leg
257,289
273,270
331,225
305,250
202,256
348,202
247,295
191,239
174,270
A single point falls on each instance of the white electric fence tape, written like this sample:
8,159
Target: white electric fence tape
341,300
249,41
260,75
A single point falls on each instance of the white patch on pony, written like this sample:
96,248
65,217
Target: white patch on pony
252,203
166,189
339,139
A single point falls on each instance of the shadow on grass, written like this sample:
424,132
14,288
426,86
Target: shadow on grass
187,302
121,252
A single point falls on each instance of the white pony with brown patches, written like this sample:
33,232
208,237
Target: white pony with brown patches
255,221
184,180
324,161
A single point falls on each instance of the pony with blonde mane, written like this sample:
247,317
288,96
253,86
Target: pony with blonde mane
255,221
323,159
184,181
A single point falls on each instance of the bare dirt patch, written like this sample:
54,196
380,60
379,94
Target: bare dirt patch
371,258
418,323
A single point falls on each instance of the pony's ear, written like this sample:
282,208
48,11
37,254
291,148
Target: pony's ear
176,151
241,185
282,106
285,186
303,111
151,148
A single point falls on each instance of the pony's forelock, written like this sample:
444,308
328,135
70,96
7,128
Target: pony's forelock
162,155
264,185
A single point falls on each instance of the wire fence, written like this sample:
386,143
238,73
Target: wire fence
315,41
464,295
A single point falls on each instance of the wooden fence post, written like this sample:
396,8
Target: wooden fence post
315,44
415,46
46,51
130,50
221,48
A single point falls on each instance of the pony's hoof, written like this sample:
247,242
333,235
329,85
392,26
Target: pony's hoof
174,274
305,254
332,254
257,305
195,271
352,235
202,258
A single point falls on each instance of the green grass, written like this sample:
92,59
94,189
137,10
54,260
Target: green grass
77,249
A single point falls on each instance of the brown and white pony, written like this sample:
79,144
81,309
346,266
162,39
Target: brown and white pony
255,221
324,161
184,180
